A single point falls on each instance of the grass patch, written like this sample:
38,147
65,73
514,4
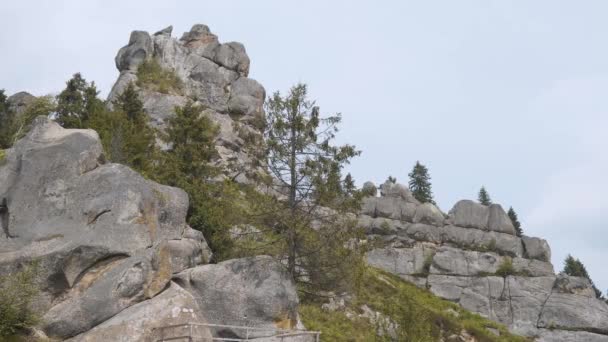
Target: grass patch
506,268
418,314
335,326
17,291
151,76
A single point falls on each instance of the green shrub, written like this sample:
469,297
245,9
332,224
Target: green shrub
2,155
150,75
506,268
17,292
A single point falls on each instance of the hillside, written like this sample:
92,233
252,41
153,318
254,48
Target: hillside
116,252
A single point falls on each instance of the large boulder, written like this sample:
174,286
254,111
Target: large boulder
536,248
390,189
470,214
141,322
139,48
104,238
243,292
211,74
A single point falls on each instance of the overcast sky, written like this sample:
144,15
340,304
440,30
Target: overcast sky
506,94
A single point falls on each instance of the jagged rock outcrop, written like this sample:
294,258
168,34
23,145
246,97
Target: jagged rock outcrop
473,257
115,255
212,74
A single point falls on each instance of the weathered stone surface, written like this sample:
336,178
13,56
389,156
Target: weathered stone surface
212,75
564,310
390,189
234,57
454,261
536,248
137,323
104,291
574,285
498,221
246,97
547,335
469,214
19,101
428,213
100,232
401,261
248,292
139,48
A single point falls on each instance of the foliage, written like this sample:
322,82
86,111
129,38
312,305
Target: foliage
336,326
513,216
17,292
2,156
43,105
306,204
6,116
78,103
152,76
418,314
575,268
420,183
483,197
215,206
125,134
506,268
392,179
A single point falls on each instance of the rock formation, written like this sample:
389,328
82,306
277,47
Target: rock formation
212,74
115,255
471,256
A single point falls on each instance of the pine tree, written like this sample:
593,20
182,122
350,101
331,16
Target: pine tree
6,120
513,216
125,134
349,185
575,268
309,223
189,164
78,103
420,184
483,196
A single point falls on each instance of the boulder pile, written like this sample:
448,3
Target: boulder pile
473,257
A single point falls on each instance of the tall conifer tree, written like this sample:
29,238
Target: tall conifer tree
420,183
483,197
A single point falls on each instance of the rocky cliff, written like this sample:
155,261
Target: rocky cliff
116,257
211,74
472,256
114,254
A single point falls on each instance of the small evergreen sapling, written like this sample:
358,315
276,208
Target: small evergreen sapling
420,183
513,216
483,196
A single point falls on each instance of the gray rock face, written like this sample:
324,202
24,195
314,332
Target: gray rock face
457,258
212,74
19,101
132,55
470,214
569,336
105,237
390,189
138,322
248,292
536,248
